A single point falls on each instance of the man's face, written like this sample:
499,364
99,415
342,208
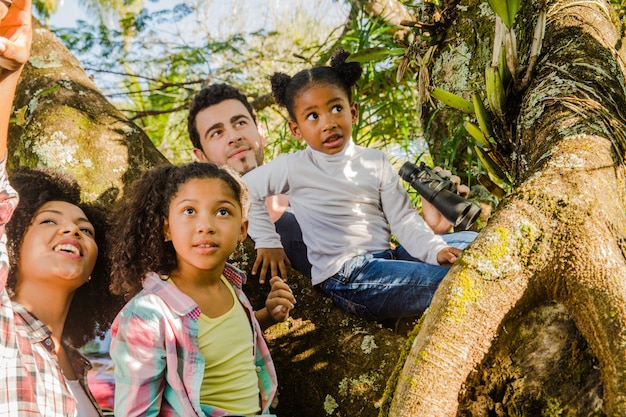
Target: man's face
228,135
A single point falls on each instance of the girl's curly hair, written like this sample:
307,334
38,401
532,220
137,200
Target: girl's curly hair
139,243
93,305
343,74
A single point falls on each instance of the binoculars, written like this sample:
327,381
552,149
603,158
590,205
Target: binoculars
441,193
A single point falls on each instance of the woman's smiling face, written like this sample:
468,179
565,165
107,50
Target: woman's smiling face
59,243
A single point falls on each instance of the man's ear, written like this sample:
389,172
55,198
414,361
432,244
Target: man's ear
260,127
200,155
295,130
354,111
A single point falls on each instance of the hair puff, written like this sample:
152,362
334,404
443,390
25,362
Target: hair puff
350,72
280,81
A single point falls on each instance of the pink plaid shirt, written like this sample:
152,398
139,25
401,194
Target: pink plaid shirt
158,366
31,383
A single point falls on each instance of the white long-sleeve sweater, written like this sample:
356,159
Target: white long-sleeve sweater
347,204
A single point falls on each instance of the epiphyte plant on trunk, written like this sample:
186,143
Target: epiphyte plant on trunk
501,79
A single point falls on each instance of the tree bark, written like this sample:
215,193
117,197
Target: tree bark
558,236
62,121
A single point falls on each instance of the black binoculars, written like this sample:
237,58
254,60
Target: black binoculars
441,193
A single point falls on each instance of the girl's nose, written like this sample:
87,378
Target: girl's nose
205,226
329,123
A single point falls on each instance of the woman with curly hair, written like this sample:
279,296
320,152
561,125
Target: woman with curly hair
54,273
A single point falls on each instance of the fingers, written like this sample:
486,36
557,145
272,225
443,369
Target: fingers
280,289
280,312
448,255
258,262
283,270
461,189
15,34
4,8
280,300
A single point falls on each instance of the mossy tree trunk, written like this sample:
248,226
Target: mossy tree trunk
556,245
62,121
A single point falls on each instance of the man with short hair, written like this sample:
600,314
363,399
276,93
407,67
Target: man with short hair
223,129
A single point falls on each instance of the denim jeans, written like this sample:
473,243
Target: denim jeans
389,284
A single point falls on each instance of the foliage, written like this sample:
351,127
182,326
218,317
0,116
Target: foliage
152,75
154,63
620,7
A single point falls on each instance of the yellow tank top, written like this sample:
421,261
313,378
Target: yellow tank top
230,380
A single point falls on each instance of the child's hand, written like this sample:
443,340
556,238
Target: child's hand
15,35
273,258
431,215
280,301
447,256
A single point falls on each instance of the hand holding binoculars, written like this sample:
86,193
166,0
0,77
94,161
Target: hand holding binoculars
441,193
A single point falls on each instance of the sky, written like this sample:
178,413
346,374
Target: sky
70,11
67,14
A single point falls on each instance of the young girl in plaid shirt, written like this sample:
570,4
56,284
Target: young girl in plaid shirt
188,343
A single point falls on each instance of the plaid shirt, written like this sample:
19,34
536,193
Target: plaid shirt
158,365
31,383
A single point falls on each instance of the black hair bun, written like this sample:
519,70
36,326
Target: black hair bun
350,72
280,82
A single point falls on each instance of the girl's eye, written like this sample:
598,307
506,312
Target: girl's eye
223,212
312,116
47,221
337,108
189,211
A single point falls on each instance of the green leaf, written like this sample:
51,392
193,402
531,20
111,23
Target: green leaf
374,54
453,100
506,9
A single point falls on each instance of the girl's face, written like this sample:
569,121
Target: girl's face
59,243
324,118
204,223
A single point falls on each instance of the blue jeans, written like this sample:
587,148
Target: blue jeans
389,284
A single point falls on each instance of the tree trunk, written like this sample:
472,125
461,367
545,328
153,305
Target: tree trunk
559,236
62,121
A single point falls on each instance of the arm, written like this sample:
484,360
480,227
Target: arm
262,182
406,224
15,40
138,351
280,301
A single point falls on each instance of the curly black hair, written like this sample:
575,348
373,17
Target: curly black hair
343,74
139,244
209,96
93,305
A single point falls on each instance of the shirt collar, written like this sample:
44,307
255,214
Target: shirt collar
37,330
178,301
